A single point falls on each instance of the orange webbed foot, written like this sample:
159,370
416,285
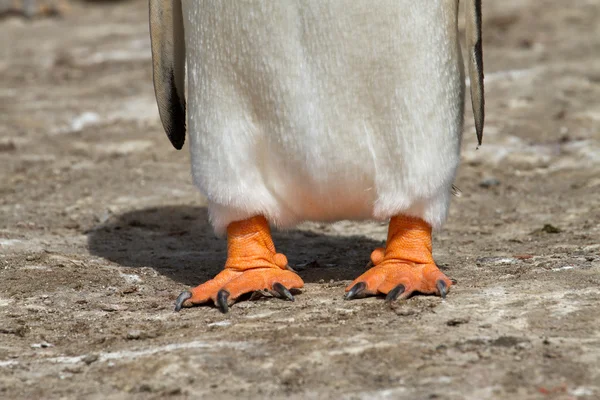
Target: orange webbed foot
252,265
404,267
399,279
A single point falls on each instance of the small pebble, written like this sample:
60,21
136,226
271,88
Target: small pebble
129,289
90,358
134,335
74,369
113,307
457,321
489,182
7,146
547,228
42,345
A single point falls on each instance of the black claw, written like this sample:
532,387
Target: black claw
394,293
355,291
442,288
181,299
283,291
290,268
222,297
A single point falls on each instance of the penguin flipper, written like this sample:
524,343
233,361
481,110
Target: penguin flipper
475,61
168,66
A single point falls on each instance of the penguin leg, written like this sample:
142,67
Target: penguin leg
404,266
252,265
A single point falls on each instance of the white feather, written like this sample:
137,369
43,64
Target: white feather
324,110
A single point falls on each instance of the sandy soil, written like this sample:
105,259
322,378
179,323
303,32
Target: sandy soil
101,228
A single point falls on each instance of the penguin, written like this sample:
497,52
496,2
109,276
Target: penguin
312,110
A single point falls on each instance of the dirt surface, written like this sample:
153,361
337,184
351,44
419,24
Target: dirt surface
101,228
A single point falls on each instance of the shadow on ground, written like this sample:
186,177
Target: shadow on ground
179,243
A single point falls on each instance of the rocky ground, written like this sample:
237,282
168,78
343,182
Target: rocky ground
101,228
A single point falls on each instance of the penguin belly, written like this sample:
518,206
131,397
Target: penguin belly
324,110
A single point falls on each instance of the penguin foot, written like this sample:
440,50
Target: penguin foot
252,265
398,280
228,285
405,266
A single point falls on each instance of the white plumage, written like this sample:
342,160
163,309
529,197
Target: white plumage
323,110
